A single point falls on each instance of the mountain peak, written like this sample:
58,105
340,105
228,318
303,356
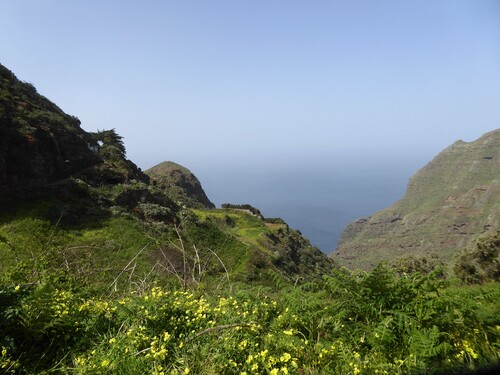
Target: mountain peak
180,184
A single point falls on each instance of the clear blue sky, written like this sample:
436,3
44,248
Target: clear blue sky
210,82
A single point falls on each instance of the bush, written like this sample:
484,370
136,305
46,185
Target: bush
481,263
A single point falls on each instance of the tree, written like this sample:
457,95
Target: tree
111,143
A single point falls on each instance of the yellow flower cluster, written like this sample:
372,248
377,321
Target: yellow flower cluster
355,368
259,361
161,327
7,364
158,348
98,307
61,303
465,350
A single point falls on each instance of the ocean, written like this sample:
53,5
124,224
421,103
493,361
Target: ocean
319,202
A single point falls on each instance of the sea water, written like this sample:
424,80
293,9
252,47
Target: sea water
317,200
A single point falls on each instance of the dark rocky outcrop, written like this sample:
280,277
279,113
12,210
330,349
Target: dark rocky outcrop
41,144
448,203
38,141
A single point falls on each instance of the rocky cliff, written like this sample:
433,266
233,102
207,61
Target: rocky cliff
448,203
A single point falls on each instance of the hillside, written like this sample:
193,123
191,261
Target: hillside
179,184
38,141
76,191
108,270
448,203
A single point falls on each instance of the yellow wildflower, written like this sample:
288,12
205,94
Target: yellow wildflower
285,357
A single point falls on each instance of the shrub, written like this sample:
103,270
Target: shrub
481,263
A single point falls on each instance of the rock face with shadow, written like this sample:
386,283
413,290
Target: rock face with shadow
448,203
38,141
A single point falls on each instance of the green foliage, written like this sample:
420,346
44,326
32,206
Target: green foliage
409,320
260,245
207,235
33,248
481,263
156,213
349,323
416,264
246,207
111,144
274,220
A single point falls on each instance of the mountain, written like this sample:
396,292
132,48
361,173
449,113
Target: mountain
74,195
179,184
448,203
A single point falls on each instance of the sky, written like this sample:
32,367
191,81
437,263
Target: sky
281,83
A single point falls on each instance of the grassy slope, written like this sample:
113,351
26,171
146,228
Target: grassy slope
107,245
96,253
247,228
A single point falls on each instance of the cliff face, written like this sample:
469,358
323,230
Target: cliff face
40,144
448,203
179,184
38,141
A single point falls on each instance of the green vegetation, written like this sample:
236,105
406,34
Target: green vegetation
346,323
120,294
246,207
107,270
481,263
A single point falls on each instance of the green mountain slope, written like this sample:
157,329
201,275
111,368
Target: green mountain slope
71,198
448,203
